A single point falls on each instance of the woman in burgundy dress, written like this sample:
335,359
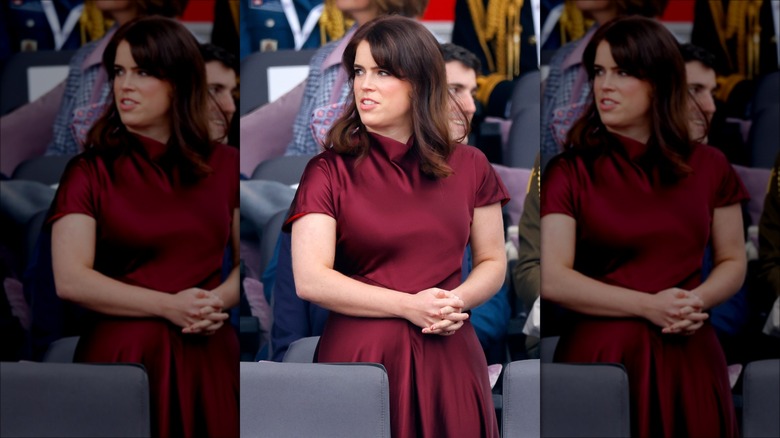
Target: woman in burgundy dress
627,212
140,225
380,223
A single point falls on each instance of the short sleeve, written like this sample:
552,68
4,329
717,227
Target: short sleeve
77,191
729,187
558,188
490,188
315,192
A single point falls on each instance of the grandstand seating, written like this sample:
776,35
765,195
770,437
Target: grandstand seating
302,350
584,400
521,413
45,169
323,400
260,67
761,399
525,133
62,350
285,169
73,400
21,80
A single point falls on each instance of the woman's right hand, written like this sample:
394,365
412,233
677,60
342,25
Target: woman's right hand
191,306
436,311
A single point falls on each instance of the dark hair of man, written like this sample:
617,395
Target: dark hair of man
691,52
453,52
407,50
213,52
165,49
647,51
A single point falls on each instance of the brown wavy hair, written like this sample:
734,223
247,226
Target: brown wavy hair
408,51
168,51
407,8
645,49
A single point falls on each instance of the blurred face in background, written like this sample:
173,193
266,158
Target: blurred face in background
462,84
361,11
701,86
222,85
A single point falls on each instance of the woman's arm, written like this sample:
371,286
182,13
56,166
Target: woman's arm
313,255
730,260
489,257
228,291
563,285
73,255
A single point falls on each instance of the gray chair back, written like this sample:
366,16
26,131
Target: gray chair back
524,135
47,169
585,400
302,350
314,400
764,136
73,400
256,66
270,236
284,169
547,347
62,350
761,399
520,416
15,83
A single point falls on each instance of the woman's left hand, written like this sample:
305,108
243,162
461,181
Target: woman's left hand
452,320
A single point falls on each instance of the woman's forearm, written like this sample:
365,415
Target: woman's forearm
482,283
723,282
228,290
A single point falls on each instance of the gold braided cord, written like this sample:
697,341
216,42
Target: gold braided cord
235,13
726,84
93,24
741,24
486,85
333,23
498,29
572,23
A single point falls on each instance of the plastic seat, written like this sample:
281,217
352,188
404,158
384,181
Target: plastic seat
302,350
314,400
46,169
761,399
285,169
74,400
62,350
257,65
520,416
585,400
547,348
525,133
15,85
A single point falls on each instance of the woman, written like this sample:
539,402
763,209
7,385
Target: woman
389,271
325,84
140,225
626,214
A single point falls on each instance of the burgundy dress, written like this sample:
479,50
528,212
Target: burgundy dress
397,228
637,234
156,233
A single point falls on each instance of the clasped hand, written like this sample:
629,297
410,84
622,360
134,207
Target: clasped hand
197,311
437,312
678,311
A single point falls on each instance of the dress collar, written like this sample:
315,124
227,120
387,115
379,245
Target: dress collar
395,150
633,148
153,148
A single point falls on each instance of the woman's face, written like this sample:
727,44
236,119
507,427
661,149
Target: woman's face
361,10
622,100
143,101
383,101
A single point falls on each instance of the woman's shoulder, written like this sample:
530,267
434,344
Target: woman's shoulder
706,155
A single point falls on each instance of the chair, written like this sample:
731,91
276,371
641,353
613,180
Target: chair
73,400
27,75
520,416
271,231
314,400
272,71
761,399
585,400
764,136
285,169
62,350
302,350
47,169
547,348
525,134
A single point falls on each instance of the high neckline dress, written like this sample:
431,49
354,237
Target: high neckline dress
154,232
636,233
400,229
